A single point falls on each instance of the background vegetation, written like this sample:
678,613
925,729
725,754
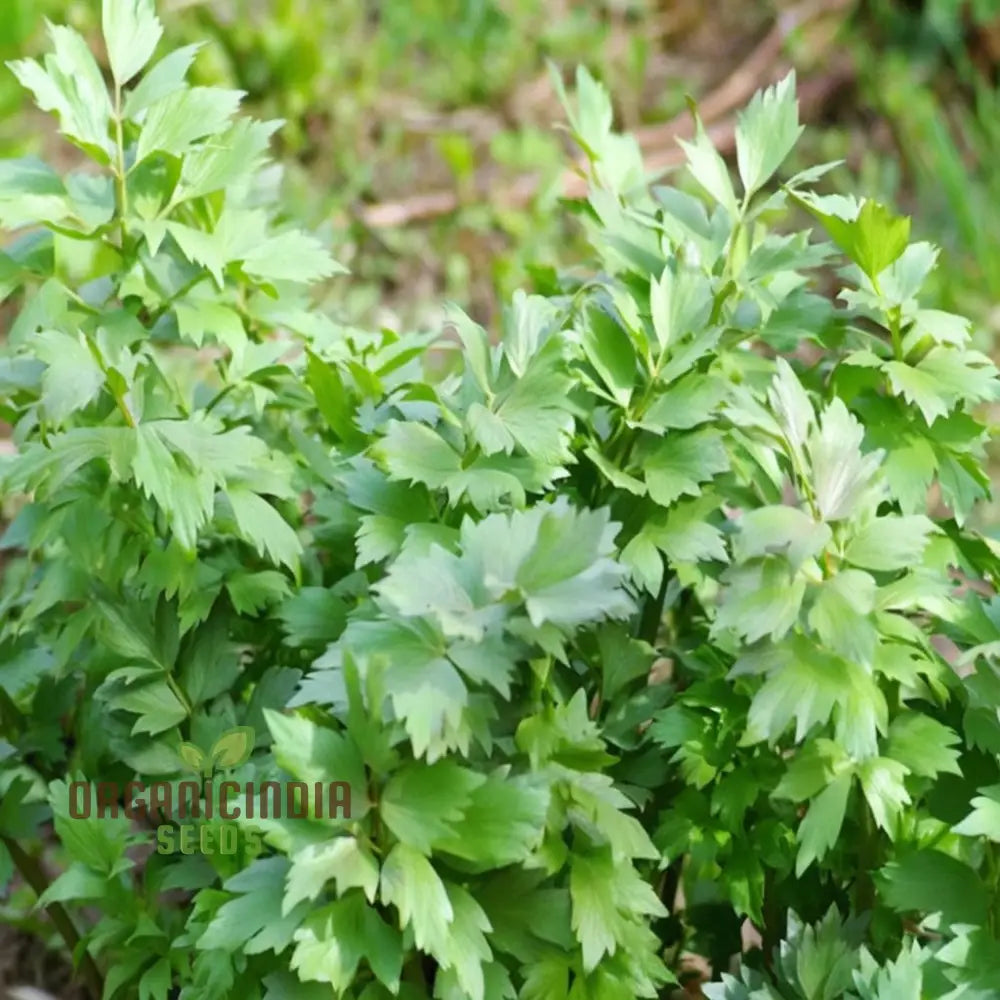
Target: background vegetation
419,136
421,133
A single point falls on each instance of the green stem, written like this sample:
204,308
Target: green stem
993,866
120,174
895,324
180,293
32,873
179,694
864,899
218,397
895,317
575,301
803,480
125,411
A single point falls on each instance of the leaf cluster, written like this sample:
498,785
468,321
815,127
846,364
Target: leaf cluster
624,625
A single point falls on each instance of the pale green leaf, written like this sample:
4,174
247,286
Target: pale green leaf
766,131
819,831
131,34
343,860
264,528
411,884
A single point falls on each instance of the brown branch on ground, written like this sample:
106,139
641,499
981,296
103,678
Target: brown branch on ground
658,142
32,873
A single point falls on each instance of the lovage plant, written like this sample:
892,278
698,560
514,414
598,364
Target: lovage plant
625,628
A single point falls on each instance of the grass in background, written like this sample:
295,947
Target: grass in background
387,101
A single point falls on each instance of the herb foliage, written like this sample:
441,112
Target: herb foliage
625,625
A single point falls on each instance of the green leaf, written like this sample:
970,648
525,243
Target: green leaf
842,475
233,747
252,592
984,820
410,883
534,410
684,536
476,347
156,704
176,121
78,882
547,979
314,753
421,803
623,659
808,684
70,84
467,948
811,770
871,236
840,615
918,387
682,463
502,824
248,921
73,377
166,77
779,529
568,582
882,781
928,881
98,842
31,191
923,745
156,981
819,831
284,985
961,376
910,470
131,34
680,302
766,131
606,899
611,353
709,169
185,496
614,475
690,401
235,154
594,116
761,599
890,543
791,406
416,453
198,319
290,256
264,528
333,941
343,859
331,397
313,615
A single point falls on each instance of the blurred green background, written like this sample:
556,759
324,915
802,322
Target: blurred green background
421,134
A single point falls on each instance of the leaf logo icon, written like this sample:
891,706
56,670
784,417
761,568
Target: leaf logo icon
193,756
231,749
